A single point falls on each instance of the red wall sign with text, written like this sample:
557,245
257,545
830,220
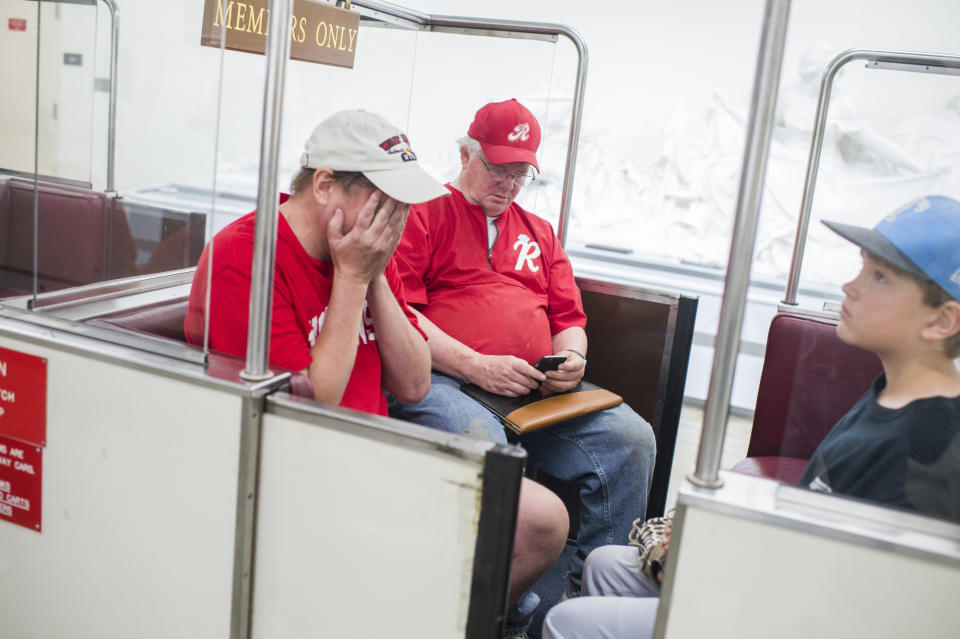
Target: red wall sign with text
21,479
17,24
23,397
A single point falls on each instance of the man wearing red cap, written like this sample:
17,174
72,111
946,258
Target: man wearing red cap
495,292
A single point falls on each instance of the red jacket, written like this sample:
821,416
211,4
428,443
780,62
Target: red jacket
509,300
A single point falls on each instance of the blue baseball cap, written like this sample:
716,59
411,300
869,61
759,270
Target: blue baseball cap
922,238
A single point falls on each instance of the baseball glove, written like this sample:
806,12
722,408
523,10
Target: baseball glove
650,537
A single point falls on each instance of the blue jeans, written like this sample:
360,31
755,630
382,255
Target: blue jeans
609,454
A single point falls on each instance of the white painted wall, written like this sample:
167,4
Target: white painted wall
742,574
359,536
138,507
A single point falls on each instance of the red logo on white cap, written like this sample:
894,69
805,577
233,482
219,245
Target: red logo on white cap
521,133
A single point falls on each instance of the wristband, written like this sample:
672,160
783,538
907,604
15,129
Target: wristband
570,350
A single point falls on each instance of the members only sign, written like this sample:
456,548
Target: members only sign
318,32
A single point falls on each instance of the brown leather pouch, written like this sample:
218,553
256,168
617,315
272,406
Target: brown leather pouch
532,412
560,407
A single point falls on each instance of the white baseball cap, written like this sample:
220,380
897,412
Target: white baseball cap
361,141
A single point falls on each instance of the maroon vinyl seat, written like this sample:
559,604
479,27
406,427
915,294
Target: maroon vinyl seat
810,379
82,238
4,218
165,320
71,229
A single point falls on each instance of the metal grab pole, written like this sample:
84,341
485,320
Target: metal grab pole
766,82
573,143
112,105
878,59
813,165
265,232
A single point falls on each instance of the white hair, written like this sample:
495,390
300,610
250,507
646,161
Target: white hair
471,145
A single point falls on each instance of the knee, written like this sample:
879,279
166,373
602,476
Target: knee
542,520
558,620
601,559
635,434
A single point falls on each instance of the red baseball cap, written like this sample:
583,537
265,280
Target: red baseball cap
507,132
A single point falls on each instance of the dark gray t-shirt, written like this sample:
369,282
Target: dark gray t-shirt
907,457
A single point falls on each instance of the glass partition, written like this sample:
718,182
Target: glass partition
50,88
138,184
892,136
67,229
414,79
860,398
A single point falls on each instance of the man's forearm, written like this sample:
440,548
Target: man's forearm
447,355
404,355
335,349
571,342
573,339
502,374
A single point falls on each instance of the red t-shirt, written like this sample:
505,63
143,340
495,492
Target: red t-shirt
509,300
301,291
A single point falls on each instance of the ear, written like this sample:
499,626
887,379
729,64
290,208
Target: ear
944,323
464,157
322,182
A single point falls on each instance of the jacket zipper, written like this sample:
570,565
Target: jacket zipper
490,250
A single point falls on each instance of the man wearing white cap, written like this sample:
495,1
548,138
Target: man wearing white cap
339,312
494,291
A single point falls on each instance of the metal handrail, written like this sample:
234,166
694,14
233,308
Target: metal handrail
508,28
112,105
757,149
877,59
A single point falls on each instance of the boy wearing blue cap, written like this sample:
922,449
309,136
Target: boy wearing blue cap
900,443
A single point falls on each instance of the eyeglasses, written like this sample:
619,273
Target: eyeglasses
499,173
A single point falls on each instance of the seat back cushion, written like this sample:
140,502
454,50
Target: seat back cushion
810,379
70,244
163,319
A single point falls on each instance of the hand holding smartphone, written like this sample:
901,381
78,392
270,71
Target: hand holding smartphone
550,362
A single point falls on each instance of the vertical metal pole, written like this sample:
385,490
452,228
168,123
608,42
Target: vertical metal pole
36,166
265,233
112,109
574,141
766,83
241,604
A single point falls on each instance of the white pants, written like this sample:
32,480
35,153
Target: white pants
618,603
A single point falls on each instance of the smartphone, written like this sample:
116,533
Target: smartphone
550,362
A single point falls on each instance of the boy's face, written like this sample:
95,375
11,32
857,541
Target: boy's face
883,311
